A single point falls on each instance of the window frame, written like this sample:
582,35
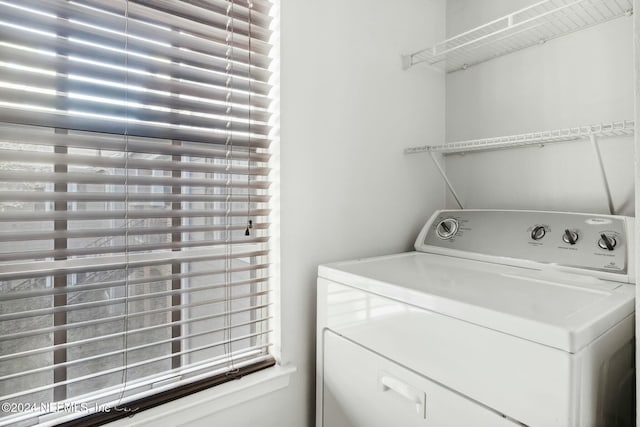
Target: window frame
177,393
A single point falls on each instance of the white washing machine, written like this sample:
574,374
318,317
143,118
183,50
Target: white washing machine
500,318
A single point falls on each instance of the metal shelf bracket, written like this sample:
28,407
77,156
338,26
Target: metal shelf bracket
538,139
603,173
446,179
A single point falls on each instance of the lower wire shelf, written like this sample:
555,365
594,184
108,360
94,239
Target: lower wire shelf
613,129
589,133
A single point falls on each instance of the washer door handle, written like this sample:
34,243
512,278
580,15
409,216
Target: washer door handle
417,397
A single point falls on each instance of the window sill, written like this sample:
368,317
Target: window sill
199,405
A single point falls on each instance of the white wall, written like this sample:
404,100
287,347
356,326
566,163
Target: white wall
347,112
583,78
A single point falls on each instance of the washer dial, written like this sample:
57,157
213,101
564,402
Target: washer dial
447,228
570,237
538,232
607,242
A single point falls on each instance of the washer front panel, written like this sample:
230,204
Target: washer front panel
458,354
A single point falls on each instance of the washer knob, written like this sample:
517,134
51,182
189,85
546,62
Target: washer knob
570,237
447,228
607,242
538,232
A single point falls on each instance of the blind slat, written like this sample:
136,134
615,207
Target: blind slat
118,214
17,77
255,269
134,298
118,232
254,80
23,156
45,62
78,252
71,344
40,197
56,102
166,19
148,345
102,321
91,140
209,15
16,112
92,178
84,265
70,18
43,31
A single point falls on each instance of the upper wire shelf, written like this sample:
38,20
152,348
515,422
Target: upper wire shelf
623,128
524,28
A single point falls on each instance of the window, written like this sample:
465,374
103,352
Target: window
134,203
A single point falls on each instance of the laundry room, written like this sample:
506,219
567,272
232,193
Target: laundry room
334,213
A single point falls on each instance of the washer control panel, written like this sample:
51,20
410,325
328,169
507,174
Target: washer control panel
585,241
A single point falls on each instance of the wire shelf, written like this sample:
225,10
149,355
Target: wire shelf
622,128
527,27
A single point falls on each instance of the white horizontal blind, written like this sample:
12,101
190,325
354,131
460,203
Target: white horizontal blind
134,199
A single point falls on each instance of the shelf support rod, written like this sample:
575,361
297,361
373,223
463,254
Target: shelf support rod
446,179
603,174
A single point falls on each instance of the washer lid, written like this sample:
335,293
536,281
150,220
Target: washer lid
561,310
